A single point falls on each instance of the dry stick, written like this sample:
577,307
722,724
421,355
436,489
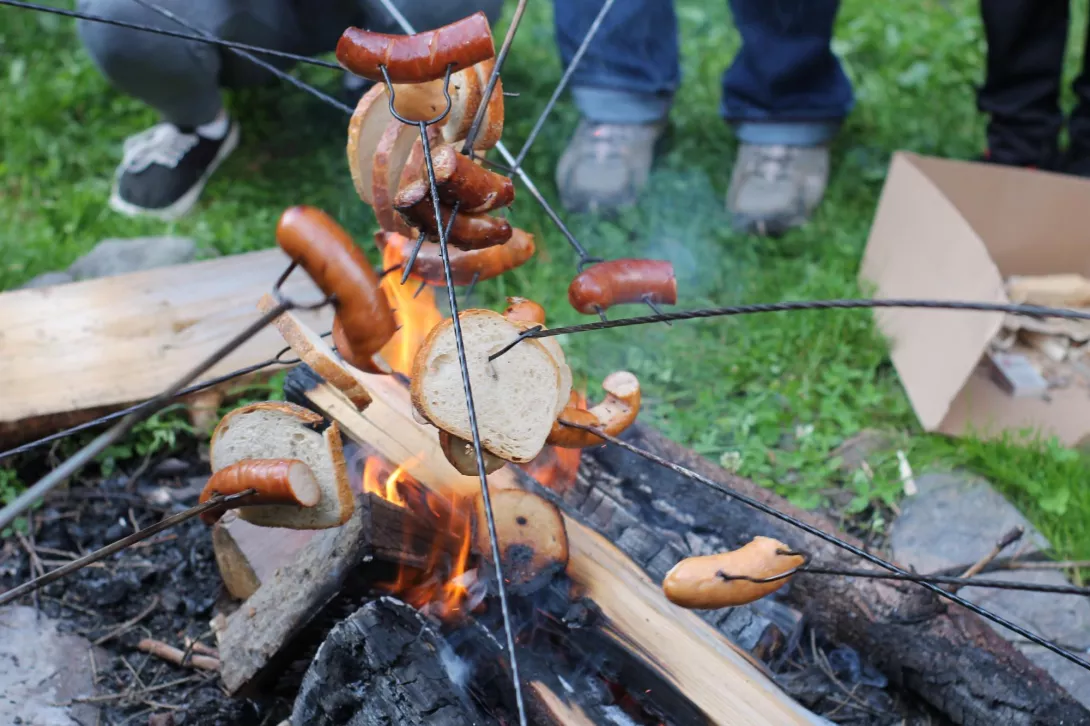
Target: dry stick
127,625
176,656
53,575
831,539
1004,542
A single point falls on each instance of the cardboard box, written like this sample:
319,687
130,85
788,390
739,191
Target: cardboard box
956,230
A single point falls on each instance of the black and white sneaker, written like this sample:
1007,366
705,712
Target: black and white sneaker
165,168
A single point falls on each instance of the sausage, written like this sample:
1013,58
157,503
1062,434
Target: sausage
521,310
623,281
486,264
460,454
469,231
458,179
700,582
322,248
420,57
277,481
616,412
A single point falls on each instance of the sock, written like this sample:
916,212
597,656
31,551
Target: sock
216,129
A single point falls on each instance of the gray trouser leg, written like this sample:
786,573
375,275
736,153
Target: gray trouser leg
181,79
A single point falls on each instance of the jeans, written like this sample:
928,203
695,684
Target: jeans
181,79
785,86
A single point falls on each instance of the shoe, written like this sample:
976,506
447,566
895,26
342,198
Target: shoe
776,188
164,170
606,166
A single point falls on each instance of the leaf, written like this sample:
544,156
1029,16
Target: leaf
1055,502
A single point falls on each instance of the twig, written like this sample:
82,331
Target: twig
197,646
1004,542
127,625
176,656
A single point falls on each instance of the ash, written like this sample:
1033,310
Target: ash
164,588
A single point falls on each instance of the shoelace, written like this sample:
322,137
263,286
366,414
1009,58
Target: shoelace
163,144
770,162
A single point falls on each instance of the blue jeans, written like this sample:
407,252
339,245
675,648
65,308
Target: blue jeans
785,86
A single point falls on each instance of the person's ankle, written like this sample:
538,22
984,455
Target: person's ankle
217,128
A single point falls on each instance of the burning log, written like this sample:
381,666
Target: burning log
289,613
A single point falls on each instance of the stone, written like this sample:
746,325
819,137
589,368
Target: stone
859,448
955,520
47,279
120,256
41,669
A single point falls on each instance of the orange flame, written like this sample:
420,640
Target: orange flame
442,586
416,315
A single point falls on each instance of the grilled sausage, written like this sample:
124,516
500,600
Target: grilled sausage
322,248
703,583
616,412
458,179
623,281
469,231
277,481
522,310
486,264
417,58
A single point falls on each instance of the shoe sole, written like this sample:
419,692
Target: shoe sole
187,201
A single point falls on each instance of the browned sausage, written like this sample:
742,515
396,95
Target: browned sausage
322,248
616,412
521,310
420,57
277,481
623,281
487,263
469,231
458,179
699,582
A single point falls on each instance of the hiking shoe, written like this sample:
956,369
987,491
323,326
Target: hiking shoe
775,188
606,165
165,168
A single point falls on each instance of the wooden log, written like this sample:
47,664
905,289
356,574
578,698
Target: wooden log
291,611
384,664
85,348
677,646
947,655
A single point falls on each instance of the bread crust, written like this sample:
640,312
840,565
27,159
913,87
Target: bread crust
372,102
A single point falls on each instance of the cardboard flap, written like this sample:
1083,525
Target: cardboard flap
920,246
1032,222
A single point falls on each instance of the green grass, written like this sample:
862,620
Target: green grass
773,395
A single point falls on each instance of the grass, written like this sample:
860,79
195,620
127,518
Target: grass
771,396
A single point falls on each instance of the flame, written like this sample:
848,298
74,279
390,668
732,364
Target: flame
444,586
416,315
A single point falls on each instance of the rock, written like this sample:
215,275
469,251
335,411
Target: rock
119,256
47,279
956,519
861,447
41,669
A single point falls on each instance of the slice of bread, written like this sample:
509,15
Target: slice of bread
278,430
564,391
531,533
515,396
465,98
492,125
369,122
390,156
316,353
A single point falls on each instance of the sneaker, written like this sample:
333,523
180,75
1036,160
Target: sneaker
776,188
165,168
606,165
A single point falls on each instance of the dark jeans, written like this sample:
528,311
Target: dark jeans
785,86
1021,93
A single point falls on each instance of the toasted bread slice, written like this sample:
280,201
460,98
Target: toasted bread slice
515,396
390,156
492,126
369,122
317,354
278,430
465,98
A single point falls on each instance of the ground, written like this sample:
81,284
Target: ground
773,396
